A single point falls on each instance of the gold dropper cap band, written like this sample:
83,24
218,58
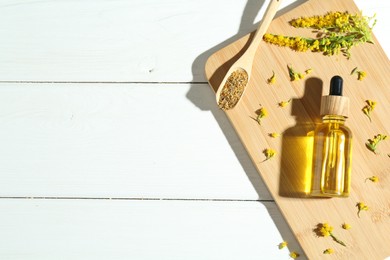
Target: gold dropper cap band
334,105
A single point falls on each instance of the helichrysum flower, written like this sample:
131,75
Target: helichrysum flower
373,143
325,230
368,108
274,135
262,112
272,79
373,179
294,255
361,206
283,245
336,32
308,71
269,153
346,226
284,103
328,251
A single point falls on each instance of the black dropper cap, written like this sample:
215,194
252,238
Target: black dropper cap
336,86
335,103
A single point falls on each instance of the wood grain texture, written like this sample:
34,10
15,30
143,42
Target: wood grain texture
284,174
123,229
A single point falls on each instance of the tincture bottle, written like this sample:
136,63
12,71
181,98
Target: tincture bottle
331,174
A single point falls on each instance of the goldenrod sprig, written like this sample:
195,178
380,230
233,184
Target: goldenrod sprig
325,230
361,74
336,32
361,206
294,75
368,108
373,179
269,153
272,79
373,143
262,112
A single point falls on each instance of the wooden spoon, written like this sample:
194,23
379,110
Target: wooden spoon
237,77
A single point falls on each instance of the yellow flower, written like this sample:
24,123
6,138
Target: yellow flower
361,206
336,32
373,179
272,79
361,75
329,251
294,255
262,112
284,103
368,108
294,76
346,226
274,135
371,103
269,153
373,143
308,71
283,245
325,230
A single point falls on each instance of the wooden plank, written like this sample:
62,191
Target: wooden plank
121,40
125,229
286,173
120,140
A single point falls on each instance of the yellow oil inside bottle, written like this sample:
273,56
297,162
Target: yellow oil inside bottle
331,174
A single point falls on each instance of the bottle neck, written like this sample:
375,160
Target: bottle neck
333,119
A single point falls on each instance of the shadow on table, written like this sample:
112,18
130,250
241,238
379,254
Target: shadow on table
205,100
297,142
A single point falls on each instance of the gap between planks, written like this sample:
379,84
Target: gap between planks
135,199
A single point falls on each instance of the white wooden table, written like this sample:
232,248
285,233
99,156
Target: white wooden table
111,144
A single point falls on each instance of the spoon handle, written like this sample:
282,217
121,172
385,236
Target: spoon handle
269,14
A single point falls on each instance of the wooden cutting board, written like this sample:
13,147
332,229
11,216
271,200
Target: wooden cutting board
369,237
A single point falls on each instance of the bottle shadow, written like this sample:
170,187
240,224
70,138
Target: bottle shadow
297,143
203,97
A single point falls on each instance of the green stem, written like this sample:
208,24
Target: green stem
338,240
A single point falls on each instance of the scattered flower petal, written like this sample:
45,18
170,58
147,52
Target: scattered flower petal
373,179
328,251
294,255
274,135
284,103
346,226
283,245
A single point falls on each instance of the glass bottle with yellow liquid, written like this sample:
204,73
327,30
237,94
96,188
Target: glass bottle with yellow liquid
331,169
